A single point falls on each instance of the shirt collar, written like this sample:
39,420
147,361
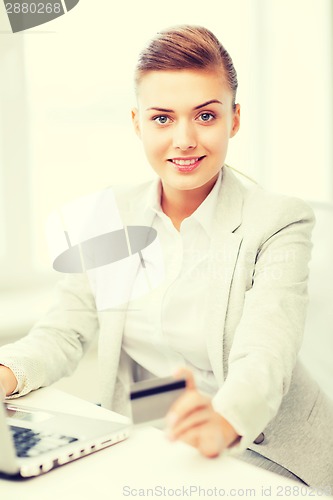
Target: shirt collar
204,214
153,201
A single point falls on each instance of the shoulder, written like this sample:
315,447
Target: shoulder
266,209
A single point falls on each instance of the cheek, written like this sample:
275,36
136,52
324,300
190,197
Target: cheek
155,143
215,140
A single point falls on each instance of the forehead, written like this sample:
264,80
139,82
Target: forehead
182,87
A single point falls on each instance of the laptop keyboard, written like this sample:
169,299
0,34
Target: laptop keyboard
29,443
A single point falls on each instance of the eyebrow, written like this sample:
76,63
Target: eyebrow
164,110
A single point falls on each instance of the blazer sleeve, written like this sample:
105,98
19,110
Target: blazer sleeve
55,345
269,333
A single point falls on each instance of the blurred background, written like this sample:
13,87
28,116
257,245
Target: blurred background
66,94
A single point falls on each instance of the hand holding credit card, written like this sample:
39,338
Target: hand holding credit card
151,399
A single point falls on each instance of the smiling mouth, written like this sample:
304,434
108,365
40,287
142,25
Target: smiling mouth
186,164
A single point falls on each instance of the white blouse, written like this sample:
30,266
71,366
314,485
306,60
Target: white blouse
166,329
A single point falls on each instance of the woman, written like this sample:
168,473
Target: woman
232,306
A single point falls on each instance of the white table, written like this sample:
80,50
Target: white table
146,465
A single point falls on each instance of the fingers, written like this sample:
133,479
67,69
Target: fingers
191,401
179,428
193,420
8,381
211,442
206,437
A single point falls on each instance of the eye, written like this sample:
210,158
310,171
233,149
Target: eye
206,117
161,119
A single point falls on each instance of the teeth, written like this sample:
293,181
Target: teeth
185,162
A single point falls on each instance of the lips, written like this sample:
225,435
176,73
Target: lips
186,164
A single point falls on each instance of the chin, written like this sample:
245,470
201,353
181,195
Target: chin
189,186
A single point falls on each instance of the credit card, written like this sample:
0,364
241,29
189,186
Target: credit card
151,399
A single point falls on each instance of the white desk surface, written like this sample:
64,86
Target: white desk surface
146,465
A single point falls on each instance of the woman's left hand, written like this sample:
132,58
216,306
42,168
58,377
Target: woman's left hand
192,419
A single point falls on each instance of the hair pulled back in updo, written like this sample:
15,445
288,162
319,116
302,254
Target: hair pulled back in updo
186,47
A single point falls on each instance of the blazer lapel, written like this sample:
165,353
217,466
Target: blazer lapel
224,252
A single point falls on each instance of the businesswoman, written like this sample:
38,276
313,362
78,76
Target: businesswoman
232,306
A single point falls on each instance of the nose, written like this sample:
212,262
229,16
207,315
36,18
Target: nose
184,136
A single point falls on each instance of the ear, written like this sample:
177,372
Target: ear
235,121
136,122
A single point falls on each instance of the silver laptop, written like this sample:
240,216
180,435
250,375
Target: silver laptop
34,441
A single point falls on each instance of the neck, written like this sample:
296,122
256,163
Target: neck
179,204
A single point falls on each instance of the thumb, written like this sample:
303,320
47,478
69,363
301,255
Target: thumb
188,375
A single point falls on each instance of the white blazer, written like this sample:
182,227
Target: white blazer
260,251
